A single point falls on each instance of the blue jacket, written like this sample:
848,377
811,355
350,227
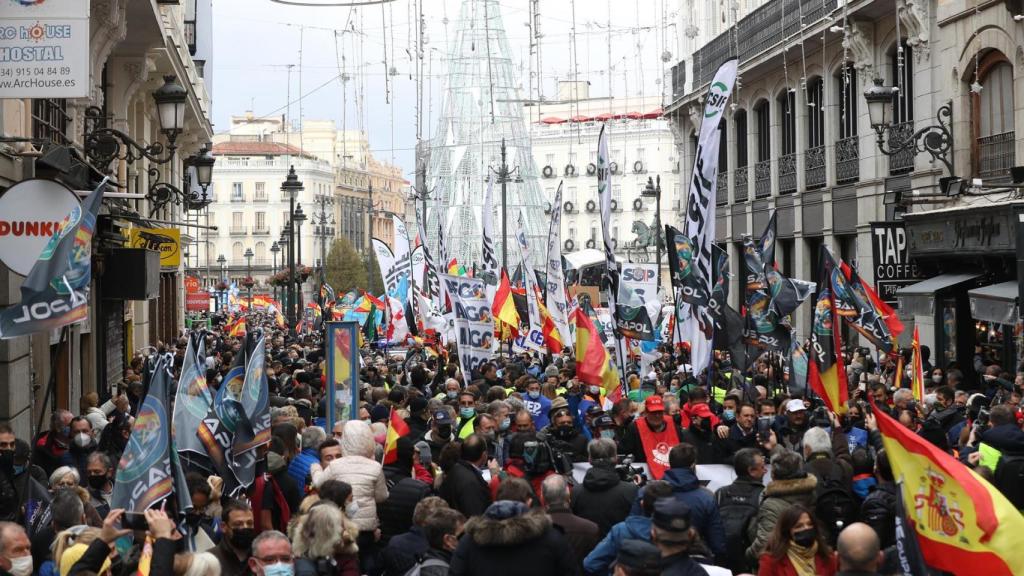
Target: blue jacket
703,510
599,561
300,465
538,410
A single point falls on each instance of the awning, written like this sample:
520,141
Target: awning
919,298
552,120
996,303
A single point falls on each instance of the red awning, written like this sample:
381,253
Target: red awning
552,120
634,115
653,114
580,119
603,117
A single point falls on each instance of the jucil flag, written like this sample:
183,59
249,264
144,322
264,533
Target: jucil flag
490,264
192,402
827,375
554,279
700,204
56,291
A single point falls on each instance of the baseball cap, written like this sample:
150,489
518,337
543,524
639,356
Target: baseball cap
639,556
603,421
672,517
795,405
556,405
443,417
654,404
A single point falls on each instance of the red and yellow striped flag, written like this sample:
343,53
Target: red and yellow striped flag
964,525
504,307
593,363
917,371
826,373
396,429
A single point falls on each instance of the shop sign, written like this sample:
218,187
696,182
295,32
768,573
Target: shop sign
891,255
166,241
197,302
31,212
44,49
191,284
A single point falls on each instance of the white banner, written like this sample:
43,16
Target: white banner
700,208
473,321
44,49
555,294
536,333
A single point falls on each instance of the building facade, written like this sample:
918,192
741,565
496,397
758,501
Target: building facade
798,140
132,47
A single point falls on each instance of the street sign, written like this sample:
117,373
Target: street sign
191,284
197,302
31,212
893,268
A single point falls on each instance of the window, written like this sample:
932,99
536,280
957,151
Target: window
261,191
261,253
787,121
261,220
50,119
846,83
902,67
571,197
815,113
236,219
572,158
236,192
992,122
236,252
549,160
617,195
572,233
763,127
740,119
640,155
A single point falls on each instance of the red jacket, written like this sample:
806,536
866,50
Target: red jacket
770,566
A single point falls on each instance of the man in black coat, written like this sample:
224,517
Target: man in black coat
603,497
738,504
404,492
879,508
463,486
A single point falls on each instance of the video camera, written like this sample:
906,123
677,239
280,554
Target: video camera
628,472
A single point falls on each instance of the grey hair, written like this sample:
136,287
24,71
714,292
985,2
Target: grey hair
602,449
817,441
313,436
554,490
67,508
100,457
514,404
903,394
494,407
318,534
63,471
265,537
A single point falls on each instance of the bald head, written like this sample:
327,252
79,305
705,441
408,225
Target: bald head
858,548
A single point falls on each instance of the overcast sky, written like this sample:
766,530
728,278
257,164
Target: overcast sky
255,42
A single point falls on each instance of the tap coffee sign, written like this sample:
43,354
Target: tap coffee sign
890,252
31,212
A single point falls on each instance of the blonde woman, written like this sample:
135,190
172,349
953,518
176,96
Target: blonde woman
321,548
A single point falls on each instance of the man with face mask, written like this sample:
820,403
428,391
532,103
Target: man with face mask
271,556
50,448
99,477
20,480
15,550
562,434
537,404
440,433
234,548
82,445
467,414
649,438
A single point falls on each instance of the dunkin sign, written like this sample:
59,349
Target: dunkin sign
31,212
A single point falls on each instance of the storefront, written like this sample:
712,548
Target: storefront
967,304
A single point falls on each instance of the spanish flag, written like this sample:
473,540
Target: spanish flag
552,339
964,525
396,429
237,328
826,373
917,372
504,308
593,363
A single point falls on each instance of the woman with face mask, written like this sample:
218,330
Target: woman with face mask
797,546
325,538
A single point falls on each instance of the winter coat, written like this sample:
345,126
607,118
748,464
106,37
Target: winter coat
580,532
465,490
343,566
879,512
402,551
299,467
404,492
703,510
1005,438
599,561
603,498
777,496
681,565
771,566
359,470
522,544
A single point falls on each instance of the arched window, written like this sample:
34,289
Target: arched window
847,151
722,195
763,134
261,253
740,177
787,137
901,65
814,157
992,121
236,253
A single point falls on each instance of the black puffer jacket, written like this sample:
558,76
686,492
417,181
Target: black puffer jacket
510,539
879,512
404,492
603,498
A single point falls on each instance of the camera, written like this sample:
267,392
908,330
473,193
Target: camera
981,422
820,417
764,428
629,473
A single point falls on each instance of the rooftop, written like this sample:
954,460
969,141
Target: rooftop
256,148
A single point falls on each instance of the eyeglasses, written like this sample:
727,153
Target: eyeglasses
283,558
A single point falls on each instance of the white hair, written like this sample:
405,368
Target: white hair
61,472
817,441
203,564
903,394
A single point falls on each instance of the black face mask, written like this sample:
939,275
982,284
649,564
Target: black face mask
242,538
805,537
97,482
7,461
444,430
564,432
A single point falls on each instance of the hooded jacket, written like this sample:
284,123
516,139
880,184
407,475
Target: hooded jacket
704,514
510,539
359,470
600,559
777,496
603,498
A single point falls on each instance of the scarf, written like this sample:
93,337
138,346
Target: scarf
261,483
802,558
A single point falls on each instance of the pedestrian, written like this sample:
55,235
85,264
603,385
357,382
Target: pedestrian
603,497
791,485
797,547
581,533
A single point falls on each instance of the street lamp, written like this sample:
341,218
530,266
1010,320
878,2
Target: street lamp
203,162
321,220
284,244
248,274
298,218
274,249
223,278
936,140
291,186
505,175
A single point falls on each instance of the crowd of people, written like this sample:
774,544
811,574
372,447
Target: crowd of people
526,470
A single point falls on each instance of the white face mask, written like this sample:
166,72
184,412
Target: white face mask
351,509
21,566
83,439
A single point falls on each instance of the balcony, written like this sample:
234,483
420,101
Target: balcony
262,198
190,36
847,160
787,173
758,32
261,231
763,179
238,198
902,161
814,167
238,230
739,182
722,195
995,156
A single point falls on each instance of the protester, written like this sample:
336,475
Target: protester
604,497
581,533
796,547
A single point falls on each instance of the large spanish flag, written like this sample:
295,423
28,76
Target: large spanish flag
396,429
964,525
917,375
593,363
552,339
504,307
826,373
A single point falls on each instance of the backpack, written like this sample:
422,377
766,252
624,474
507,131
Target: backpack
835,507
428,563
1009,478
738,511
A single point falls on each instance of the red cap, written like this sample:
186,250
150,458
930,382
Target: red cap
654,403
702,410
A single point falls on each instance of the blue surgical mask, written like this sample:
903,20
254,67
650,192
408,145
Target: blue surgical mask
453,394
728,415
467,412
608,434
505,424
279,569
19,470
533,394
